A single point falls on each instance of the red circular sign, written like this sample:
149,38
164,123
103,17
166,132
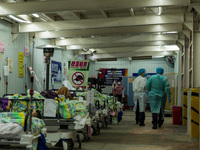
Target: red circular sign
78,78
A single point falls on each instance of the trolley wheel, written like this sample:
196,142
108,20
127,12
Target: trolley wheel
81,136
93,130
65,144
68,144
98,128
88,139
79,141
100,124
106,123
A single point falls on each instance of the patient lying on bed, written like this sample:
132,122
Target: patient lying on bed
64,91
21,106
8,107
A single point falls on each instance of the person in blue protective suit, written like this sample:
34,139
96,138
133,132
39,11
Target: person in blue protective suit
140,97
159,90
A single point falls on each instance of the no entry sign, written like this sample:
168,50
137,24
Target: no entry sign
78,73
78,78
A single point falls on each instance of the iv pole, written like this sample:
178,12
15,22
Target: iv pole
31,92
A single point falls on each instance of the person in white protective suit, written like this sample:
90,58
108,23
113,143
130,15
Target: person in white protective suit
140,96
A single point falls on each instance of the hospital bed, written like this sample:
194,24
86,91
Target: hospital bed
15,126
91,120
85,132
60,132
82,131
57,133
102,113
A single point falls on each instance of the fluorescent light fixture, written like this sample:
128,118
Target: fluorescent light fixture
171,32
158,56
72,47
17,19
62,38
36,15
168,48
159,11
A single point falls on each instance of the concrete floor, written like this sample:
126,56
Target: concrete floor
129,136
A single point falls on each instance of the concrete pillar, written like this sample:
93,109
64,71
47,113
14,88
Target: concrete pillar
186,69
189,113
179,61
196,67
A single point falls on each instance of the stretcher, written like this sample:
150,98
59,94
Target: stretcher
102,114
81,117
61,130
107,105
73,109
15,126
57,133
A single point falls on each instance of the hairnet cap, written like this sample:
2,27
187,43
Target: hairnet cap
160,70
140,71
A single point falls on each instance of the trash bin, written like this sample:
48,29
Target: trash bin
176,113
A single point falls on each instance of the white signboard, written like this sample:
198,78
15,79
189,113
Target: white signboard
49,108
6,70
90,97
81,99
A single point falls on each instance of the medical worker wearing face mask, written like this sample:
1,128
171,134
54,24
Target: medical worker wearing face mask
140,97
159,90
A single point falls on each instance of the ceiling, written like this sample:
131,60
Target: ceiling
105,28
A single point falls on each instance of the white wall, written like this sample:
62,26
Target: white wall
39,66
133,67
15,83
150,65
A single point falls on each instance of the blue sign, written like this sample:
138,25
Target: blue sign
107,74
56,71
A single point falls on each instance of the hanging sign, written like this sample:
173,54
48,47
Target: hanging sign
26,51
56,71
78,73
107,74
21,64
10,64
2,47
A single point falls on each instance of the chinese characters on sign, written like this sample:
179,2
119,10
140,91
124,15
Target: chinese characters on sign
21,64
78,73
79,64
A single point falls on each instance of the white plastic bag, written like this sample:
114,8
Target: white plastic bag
8,130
